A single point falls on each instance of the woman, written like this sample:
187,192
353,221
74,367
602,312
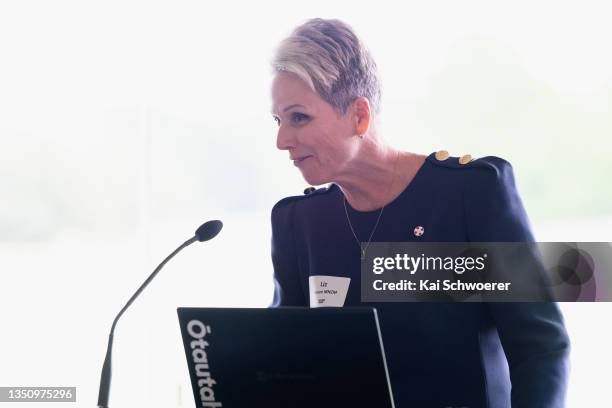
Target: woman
326,101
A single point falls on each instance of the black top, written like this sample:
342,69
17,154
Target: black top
439,354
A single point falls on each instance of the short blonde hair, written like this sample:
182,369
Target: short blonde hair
330,58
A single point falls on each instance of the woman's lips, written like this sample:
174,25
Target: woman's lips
300,160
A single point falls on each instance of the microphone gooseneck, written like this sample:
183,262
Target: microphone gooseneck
205,232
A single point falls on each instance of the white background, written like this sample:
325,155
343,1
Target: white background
125,124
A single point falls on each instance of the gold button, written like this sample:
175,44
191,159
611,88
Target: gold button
465,159
442,155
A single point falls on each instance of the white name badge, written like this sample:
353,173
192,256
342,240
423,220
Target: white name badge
328,291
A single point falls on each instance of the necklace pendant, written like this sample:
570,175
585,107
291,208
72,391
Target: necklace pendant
363,254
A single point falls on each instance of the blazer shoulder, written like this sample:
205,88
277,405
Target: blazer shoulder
497,165
309,193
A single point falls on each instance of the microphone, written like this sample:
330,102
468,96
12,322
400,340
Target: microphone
206,231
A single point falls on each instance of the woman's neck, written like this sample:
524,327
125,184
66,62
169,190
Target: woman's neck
377,176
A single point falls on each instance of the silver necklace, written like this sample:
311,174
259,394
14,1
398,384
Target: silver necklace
362,249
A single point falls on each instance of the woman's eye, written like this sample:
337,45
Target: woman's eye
298,118
276,120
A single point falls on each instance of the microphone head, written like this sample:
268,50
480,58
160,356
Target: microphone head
208,230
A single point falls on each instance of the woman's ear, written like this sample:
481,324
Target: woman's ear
362,115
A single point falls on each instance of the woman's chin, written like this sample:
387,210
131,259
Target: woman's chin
312,178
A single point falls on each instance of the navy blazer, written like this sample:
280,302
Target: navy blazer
439,354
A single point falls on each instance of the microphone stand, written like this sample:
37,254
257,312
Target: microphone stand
105,378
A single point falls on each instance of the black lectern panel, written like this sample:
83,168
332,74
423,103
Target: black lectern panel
285,357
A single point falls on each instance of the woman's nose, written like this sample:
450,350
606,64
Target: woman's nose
284,139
